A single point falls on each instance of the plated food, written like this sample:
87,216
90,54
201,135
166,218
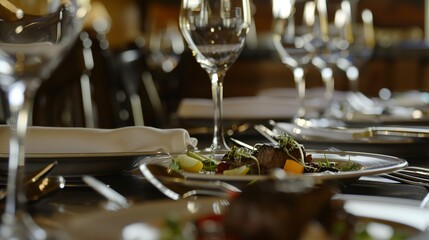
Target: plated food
261,159
255,163
275,210
311,208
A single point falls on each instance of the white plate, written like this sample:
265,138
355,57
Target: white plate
110,225
371,164
78,164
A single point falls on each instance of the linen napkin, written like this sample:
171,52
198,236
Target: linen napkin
254,107
313,95
276,103
90,140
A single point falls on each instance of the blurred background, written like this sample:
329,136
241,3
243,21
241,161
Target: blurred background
131,67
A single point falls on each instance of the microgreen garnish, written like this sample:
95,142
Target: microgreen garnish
289,144
238,153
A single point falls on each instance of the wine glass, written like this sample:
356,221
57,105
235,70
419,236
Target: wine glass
325,57
360,43
295,41
34,36
165,47
215,31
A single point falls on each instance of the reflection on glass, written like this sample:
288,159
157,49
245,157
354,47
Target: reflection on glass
295,40
34,35
215,31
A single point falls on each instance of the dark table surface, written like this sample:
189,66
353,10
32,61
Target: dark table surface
55,210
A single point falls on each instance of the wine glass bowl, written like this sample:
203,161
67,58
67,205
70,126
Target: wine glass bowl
215,31
165,46
295,41
33,39
357,41
34,36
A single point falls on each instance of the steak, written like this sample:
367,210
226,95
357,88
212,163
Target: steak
271,157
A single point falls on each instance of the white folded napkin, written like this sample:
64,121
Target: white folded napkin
238,108
90,140
316,94
253,107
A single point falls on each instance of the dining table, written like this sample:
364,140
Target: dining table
77,199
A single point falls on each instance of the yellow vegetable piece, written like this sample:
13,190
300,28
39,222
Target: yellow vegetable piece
292,166
243,170
189,164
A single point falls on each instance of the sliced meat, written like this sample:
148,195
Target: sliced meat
271,157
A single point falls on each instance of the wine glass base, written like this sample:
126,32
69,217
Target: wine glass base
318,122
219,149
20,227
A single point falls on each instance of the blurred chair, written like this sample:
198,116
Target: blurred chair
96,86
68,97
139,87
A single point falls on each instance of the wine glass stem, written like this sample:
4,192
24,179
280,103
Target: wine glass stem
15,216
298,74
328,80
16,188
217,96
352,73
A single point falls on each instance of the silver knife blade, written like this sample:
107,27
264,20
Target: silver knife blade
106,191
353,133
242,144
266,132
415,132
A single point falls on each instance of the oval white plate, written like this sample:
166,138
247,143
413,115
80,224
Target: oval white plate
370,164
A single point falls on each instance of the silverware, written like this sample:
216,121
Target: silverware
351,133
242,144
40,188
410,175
266,132
418,176
178,188
38,184
42,172
116,200
44,187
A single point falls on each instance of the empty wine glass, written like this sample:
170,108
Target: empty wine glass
295,41
34,35
165,47
215,31
359,42
325,57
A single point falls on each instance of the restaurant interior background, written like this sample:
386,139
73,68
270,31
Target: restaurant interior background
113,72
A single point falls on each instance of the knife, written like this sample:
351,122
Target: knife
39,178
352,133
36,175
106,191
40,173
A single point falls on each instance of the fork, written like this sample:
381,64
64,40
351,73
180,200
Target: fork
175,191
410,175
413,175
